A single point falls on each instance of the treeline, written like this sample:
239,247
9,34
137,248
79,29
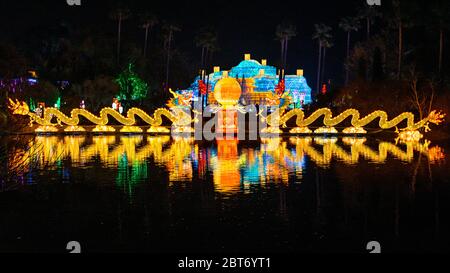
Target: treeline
400,54
400,65
91,60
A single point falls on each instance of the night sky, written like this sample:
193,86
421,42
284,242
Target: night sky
243,26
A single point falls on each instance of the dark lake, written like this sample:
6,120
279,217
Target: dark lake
164,194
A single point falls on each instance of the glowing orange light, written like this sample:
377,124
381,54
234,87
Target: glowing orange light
227,91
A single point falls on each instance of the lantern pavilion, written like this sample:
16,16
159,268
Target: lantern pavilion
258,81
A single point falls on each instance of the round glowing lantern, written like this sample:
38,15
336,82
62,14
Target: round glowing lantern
227,91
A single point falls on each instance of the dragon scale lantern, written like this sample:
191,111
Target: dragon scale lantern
182,116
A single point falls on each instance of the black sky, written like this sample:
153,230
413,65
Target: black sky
243,26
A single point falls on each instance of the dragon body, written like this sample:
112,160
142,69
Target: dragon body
180,116
177,115
280,117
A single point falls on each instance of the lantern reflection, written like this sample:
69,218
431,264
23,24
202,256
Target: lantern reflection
225,165
232,167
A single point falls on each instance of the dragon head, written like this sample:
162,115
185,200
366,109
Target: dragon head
18,108
436,117
275,99
179,99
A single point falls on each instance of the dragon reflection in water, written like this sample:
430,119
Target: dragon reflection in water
274,160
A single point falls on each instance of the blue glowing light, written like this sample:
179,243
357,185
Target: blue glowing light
250,69
265,83
299,89
265,80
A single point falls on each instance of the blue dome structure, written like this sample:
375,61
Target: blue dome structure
250,69
258,81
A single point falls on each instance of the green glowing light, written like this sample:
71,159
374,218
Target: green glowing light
32,105
132,87
58,103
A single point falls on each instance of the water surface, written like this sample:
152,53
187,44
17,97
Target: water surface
163,194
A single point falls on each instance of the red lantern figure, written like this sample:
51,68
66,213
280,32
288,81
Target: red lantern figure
279,89
324,89
202,87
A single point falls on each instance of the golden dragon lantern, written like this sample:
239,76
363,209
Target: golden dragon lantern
227,93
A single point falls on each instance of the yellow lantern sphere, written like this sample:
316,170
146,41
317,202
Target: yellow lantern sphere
227,91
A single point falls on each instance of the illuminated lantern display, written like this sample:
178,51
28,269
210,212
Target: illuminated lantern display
120,108
132,87
324,89
115,104
202,87
250,83
58,103
227,92
280,87
258,81
39,111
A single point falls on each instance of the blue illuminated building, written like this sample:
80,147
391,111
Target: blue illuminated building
258,81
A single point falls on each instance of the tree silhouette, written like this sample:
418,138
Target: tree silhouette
326,44
119,15
401,19
284,33
441,14
323,36
368,14
148,22
207,40
169,30
348,24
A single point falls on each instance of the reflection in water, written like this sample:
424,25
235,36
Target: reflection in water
233,165
225,165
330,150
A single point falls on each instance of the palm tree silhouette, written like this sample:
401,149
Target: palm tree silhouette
284,33
119,15
327,43
441,15
169,30
368,14
323,35
348,24
148,22
402,19
207,40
